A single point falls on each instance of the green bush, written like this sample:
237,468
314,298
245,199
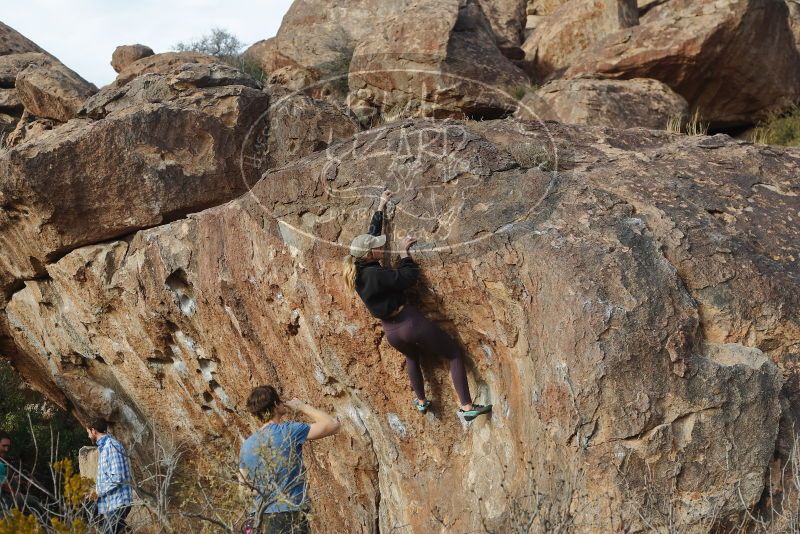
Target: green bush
780,128
38,428
227,47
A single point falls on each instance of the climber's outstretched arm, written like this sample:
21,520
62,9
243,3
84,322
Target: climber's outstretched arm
323,425
376,225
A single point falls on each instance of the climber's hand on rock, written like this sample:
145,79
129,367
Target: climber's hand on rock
294,404
386,196
408,242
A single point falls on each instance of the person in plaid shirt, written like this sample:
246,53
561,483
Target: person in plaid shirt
113,484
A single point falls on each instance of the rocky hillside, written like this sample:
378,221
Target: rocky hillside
628,297
729,61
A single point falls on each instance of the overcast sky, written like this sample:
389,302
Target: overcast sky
84,33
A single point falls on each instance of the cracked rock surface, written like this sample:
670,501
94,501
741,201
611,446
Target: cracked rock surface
628,301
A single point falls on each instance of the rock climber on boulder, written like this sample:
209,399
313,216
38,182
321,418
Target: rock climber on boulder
383,291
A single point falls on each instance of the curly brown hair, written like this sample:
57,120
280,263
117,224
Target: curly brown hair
262,402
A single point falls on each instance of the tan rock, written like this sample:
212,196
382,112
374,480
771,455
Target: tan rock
12,65
52,91
70,186
27,127
9,101
320,35
13,42
299,126
544,7
508,19
714,56
126,54
633,103
614,314
161,64
295,78
191,139
572,29
440,59
7,125
794,20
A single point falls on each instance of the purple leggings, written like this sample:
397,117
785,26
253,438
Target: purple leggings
412,334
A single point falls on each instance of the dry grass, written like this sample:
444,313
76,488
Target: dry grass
518,92
694,125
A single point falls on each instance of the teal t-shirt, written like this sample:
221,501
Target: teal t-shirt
3,472
273,461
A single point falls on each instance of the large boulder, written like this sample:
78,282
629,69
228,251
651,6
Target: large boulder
126,54
623,296
190,139
9,101
11,65
715,55
614,103
543,7
319,35
7,125
163,63
52,91
13,42
28,127
142,164
440,59
508,18
300,125
572,29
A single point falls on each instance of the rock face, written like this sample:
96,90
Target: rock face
615,103
52,91
126,54
299,126
544,7
320,35
794,20
628,301
193,138
161,64
72,185
13,42
716,57
507,18
573,28
11,65
400,58
439,60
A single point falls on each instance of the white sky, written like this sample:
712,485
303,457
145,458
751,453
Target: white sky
84,33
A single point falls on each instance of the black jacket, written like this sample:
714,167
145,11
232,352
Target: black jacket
383,289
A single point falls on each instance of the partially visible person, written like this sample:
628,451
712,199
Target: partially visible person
383,291
5,485
271,461
113,484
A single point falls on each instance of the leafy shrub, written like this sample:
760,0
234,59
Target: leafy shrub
780,128
36,426
222,44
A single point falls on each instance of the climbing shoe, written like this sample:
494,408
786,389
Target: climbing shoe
422,407
477,409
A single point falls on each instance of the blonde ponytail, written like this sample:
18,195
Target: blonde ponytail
349,270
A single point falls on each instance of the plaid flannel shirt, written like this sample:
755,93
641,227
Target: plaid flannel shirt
113,485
